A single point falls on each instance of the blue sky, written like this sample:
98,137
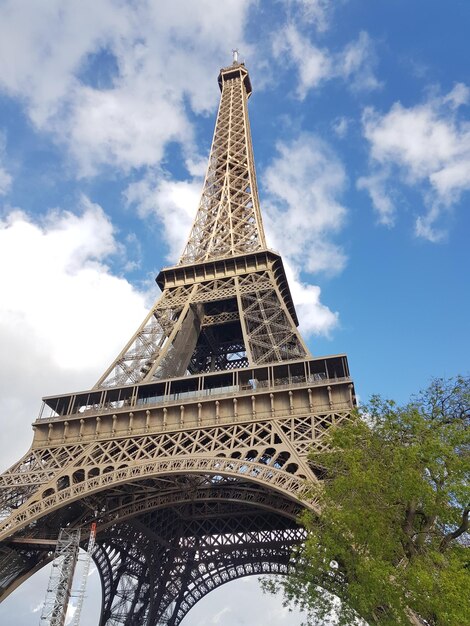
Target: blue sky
361,129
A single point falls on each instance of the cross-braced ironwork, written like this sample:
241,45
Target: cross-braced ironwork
228,221
59,587
190,452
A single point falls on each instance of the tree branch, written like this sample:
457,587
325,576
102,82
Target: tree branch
414,618
425,529
407,528
409,518
458,531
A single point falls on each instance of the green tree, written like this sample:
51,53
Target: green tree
391,542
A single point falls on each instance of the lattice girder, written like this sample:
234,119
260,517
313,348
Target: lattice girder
257,289
125,499
228,221
212,441
227,236
199,555
270,452
255,472
209,505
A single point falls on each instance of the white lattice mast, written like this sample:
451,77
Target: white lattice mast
84,578
60,582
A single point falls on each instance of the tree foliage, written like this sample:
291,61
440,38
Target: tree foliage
391,541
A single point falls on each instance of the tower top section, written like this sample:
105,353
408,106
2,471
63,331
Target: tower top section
226,305
228,220
236,70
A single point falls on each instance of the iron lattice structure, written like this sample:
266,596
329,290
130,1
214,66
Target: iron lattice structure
59,587
190,452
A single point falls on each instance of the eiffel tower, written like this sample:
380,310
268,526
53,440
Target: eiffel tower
190,452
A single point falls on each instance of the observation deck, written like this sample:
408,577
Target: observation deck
304,387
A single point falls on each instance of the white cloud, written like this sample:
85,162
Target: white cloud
315,318
377,187
425,225
354,64
217,619
313,64
63,315
173,203
341,126
5,177
459,95
37,608
120,128
45,51
302,213
5,181
427,145
304,183
43,45
242,602
316,12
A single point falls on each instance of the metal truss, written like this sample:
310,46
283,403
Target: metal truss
269,452
190,452
176,337
221,470
193,552
59,587
80,594
183,334
228,221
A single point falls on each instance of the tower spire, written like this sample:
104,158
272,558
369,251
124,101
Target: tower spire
228,221
227,304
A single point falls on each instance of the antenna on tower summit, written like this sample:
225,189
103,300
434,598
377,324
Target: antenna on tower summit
235,56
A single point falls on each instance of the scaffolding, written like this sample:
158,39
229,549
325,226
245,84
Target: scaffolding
60,582
86,569
59,589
